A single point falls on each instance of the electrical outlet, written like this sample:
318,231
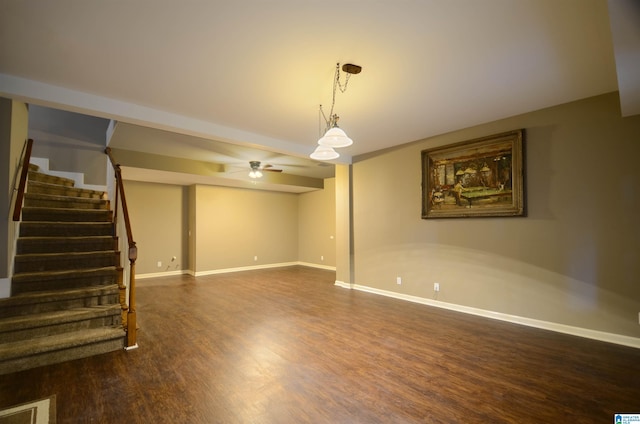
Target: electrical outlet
255,258
436,287
322,258
398,280
159,264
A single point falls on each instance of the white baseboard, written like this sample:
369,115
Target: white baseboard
320,266
244,268
343,284
529,322
228,270
263,266
5,287
160,274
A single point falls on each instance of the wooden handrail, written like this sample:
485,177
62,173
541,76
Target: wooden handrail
132,253
17,209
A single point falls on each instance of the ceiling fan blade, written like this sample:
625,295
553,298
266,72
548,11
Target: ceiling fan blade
269,168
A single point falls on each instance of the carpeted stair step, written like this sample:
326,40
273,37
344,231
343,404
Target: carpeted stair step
26,327
37,187
65,215
64,202
65,229
21,355
64,244
58,280
49,179
58,300
41,262
65,300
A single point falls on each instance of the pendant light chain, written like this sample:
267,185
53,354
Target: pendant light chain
336,85
346,79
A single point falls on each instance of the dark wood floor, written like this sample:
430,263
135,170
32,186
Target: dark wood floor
287,346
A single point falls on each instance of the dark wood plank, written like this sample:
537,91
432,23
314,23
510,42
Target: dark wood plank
287,346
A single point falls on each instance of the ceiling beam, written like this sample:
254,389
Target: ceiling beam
48,95
140,166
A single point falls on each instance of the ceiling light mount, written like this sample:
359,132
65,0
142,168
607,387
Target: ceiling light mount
334,137
350,68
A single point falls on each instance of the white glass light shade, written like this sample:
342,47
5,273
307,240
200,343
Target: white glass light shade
255,173
324,153
335,137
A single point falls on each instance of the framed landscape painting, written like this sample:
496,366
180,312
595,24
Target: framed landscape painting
483,177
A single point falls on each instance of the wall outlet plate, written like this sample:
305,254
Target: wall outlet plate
436,286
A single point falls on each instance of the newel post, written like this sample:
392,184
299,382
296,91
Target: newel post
131,315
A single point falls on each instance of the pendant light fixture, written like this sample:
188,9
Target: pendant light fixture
334,137
324,153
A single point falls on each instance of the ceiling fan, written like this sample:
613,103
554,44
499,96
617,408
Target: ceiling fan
256,169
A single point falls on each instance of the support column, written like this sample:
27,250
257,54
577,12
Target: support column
344,227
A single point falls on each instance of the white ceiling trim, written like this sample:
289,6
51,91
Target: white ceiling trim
76,101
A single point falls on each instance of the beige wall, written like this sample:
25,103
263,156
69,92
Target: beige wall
73,156
212,228
574,260
159,219
317,226
14,119
232,226
72,142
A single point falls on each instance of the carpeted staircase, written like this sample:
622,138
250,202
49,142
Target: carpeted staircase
64,300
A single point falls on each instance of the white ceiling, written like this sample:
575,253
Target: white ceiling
253,72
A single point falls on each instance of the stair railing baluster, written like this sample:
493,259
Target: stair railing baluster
131,342
124,303
26,158
115,215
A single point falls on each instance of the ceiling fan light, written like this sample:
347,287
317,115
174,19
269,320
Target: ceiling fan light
335,137
324,153
255,169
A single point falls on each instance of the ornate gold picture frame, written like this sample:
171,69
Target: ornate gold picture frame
483,177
